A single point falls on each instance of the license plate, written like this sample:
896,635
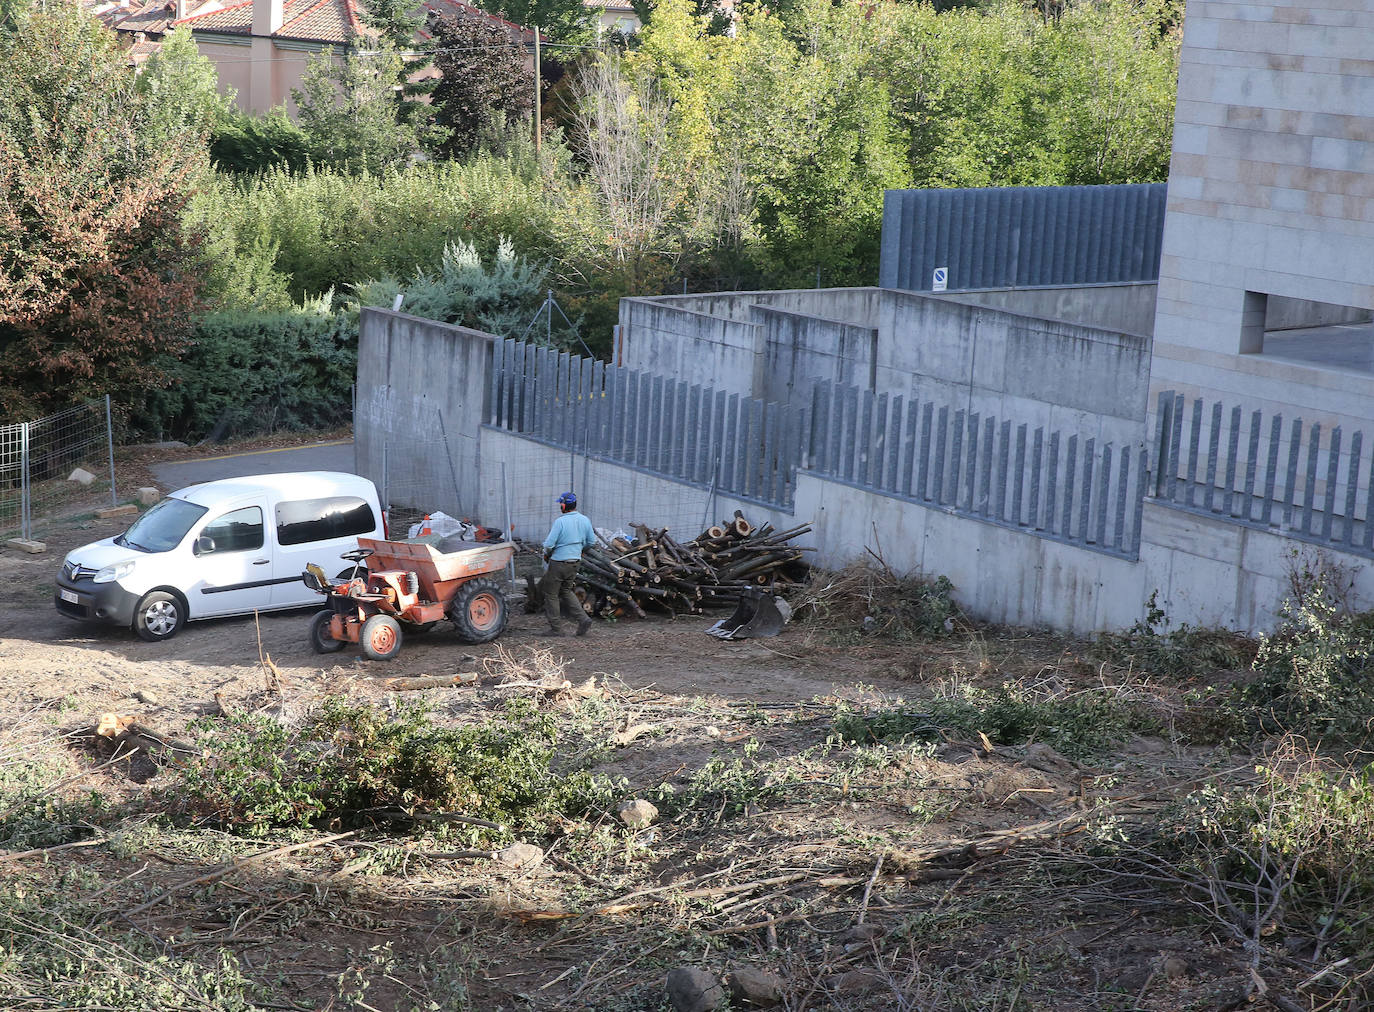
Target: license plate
68,596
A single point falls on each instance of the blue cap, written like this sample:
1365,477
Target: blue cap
567,499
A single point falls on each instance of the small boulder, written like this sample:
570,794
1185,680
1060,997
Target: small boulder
694,990
856,982
81,476
637,813
148,495
863,933
520,856
1174,967
146,697
752,986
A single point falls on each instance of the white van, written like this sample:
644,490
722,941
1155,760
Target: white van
226,547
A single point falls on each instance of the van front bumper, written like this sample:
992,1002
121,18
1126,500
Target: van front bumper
95,602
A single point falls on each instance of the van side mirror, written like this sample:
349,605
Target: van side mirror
205,544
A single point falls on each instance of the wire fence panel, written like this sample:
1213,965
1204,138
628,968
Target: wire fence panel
62,463
992,470
1306,481
424,480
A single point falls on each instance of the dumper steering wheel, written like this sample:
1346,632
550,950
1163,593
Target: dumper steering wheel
356,555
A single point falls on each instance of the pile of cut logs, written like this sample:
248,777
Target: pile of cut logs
710,571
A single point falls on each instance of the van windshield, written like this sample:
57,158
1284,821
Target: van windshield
162,527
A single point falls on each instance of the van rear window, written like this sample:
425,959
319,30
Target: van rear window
304,520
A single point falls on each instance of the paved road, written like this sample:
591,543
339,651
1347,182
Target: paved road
335,456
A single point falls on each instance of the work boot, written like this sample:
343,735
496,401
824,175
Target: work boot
584,625
552,632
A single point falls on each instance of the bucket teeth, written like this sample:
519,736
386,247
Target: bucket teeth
755,617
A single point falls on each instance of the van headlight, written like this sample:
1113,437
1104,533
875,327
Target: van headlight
112,573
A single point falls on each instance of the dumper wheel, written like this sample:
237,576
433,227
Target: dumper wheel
320,639
380,638
479,611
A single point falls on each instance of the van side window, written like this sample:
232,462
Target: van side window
239,531
304,520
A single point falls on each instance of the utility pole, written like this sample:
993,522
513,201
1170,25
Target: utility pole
537,111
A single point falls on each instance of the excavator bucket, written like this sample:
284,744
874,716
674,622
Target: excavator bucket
757,616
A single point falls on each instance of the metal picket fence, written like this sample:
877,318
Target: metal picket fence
1049,484
38,459
726,443
1308,482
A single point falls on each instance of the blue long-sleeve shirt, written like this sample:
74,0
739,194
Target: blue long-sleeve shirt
569,535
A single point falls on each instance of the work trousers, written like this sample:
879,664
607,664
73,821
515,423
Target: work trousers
557,587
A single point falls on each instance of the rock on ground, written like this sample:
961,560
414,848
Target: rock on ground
521,856
637,813
695,990
752,986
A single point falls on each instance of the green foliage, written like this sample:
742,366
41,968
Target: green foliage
181,89
32,814
500,296
1182,652
280,236
724,788
569,21
348,110
349,760
243,142
1081,727
97,275
1315,671
484,80
249,372
55,953
1302,838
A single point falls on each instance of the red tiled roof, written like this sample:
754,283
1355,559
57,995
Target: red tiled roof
334,22
156,17
139,52
236,19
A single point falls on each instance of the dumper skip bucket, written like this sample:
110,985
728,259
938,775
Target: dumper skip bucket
757,616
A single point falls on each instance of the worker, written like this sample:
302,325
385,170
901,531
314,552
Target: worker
570,534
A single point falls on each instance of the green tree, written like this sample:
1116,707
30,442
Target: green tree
181,92
399,22
1116,64
98,279
244,142
569,21
348,110
484,80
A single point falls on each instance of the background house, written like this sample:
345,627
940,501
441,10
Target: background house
261,48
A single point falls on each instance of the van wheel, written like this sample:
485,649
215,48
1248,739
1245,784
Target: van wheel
320,639
479,611
159,616
380,638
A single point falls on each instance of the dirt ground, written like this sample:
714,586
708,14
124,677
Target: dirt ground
877,879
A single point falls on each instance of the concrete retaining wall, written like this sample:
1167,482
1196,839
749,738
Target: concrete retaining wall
1207,571
692,346
1297,314
799,349
1041,372
951,350
411,370
1127,308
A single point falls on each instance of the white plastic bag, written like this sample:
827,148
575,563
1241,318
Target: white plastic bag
444,526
